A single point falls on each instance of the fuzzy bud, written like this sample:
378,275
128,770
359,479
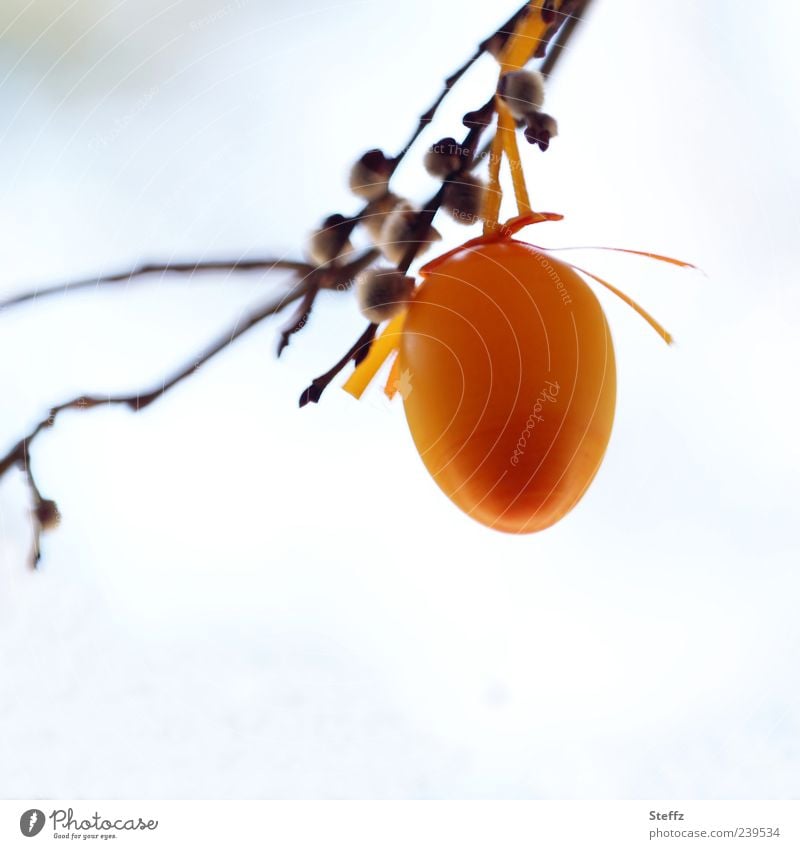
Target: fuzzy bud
463,198
443,158
369,177
398,233
331,240
47,515
522,91
376,212
540,128
382,292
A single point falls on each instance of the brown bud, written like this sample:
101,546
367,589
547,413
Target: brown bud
540,128
47,515
331,240
399,231
443,158
376,212
463,198
369,177
522,91
382,293
479,117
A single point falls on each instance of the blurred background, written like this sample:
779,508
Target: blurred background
245,599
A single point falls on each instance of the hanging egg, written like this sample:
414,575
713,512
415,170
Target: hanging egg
512,379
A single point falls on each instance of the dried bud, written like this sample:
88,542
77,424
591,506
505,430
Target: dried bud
331,240
463,198
540,129
443,158
479,118
382,293
47,515
369,177
376,212
398,233
522,91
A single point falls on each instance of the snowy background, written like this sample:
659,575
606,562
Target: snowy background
250,600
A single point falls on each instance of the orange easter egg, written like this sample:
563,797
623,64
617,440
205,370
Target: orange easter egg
513,379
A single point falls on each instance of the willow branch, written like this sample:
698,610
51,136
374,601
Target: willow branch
309,280
339,277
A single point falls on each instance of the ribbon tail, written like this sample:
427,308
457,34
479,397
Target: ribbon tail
662,332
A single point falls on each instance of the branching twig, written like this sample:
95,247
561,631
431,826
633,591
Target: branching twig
300,318
328,278
19,455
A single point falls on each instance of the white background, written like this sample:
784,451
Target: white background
250,600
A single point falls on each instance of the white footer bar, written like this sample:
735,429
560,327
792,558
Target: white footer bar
403,825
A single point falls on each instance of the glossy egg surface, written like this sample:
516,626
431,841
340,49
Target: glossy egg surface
512,382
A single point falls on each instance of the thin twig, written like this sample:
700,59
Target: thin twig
299,319
563,35
427,117
357,352
233,265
